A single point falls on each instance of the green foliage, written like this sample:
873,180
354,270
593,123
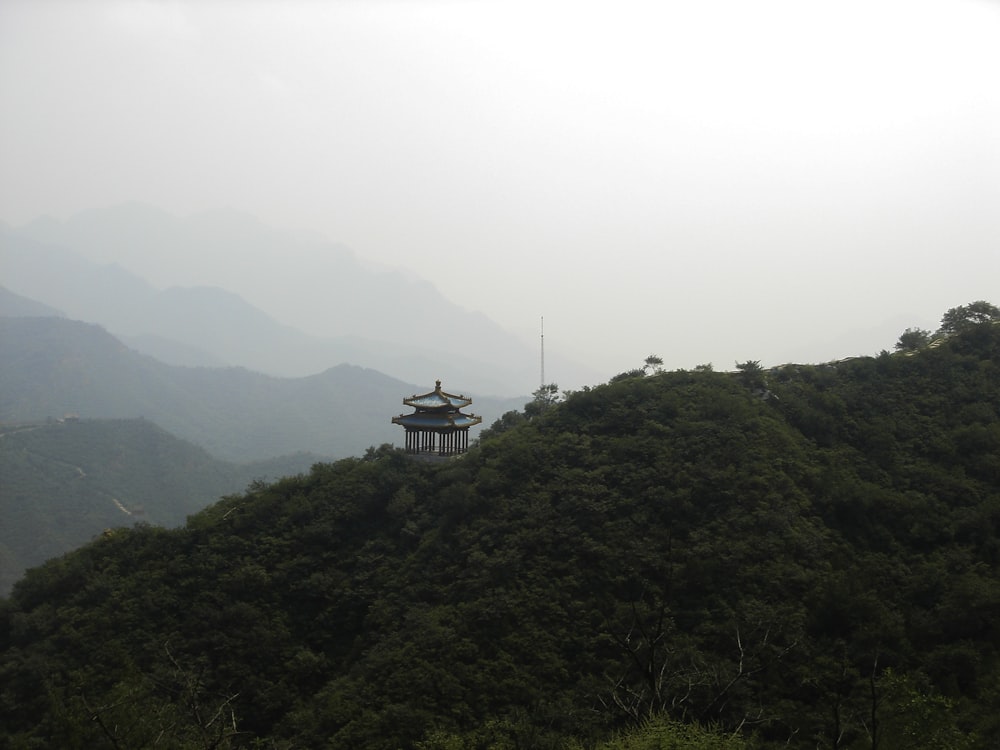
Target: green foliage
913,339
63,483
964,317
661,733
751,374
544,397
507,421
656,733
916,718
635,373
658,562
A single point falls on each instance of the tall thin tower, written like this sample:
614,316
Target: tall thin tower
543,351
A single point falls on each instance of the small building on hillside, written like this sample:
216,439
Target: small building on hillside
437,425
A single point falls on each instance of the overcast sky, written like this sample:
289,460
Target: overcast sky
711,181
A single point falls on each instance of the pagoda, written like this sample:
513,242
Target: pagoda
437,425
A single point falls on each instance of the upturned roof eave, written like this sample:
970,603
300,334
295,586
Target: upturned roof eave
437,399
432,421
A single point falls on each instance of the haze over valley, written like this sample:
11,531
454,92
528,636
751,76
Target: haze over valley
712,182
743,493
106,267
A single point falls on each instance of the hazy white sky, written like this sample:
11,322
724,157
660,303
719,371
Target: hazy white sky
712,181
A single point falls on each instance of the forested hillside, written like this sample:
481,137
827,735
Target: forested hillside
804,557
64,482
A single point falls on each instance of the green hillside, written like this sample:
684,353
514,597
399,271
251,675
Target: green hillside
798,558
62,483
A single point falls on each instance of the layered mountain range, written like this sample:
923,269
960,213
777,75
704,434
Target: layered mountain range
51,367
91,430
222,289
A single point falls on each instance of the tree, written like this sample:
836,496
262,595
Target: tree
964,317
913,339
634,373
383,451
751,373
507,421
654,363
544,397
178,710
905,714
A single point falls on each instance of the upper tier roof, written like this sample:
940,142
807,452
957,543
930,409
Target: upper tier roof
437,400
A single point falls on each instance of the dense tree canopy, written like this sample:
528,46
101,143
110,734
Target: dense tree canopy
966,317
913,339
664,561
61,483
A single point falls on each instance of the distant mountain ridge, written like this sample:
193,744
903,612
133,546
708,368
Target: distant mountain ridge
51,366
15,306
183,285
211,326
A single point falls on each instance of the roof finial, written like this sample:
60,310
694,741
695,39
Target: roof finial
437,386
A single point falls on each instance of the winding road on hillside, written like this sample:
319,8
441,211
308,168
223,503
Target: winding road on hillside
80,473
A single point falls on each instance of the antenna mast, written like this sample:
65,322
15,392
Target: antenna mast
543,351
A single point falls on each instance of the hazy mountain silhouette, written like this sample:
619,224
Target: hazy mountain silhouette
172,352
50,367
341,309
15,306
205,326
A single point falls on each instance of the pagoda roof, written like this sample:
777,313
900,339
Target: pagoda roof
437,400
436,420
